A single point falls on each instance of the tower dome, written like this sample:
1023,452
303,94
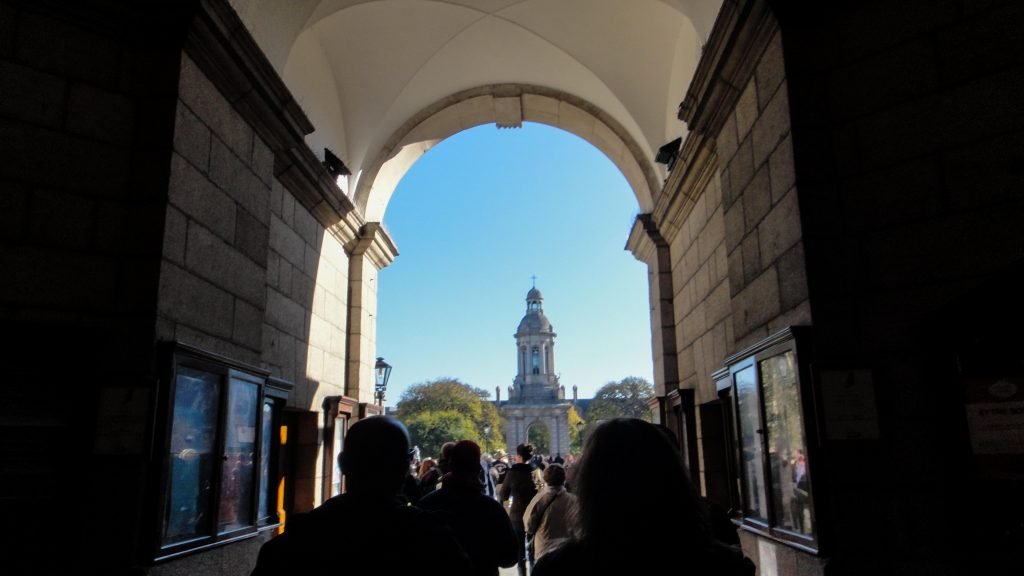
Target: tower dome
534,321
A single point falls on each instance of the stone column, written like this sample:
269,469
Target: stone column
647,245
370,252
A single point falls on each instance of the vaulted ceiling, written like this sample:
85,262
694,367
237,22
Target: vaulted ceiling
383,80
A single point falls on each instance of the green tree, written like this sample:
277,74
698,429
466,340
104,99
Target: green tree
430,430
433,402
627,397
538,435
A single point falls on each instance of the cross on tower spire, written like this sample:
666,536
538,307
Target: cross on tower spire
534,278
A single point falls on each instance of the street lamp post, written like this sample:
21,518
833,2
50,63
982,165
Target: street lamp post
382,371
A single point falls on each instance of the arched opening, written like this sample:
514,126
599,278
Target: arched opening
480,213
506,106
382,81
539,435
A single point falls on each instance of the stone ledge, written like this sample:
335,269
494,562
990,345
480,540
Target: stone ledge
222,47
742,32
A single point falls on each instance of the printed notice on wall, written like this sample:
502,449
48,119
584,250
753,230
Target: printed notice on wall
996,427
995,416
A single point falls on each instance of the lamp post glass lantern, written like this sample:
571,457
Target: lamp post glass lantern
381,371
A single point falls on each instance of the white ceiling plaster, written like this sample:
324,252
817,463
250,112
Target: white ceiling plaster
362,69
315,89
478,57
627,45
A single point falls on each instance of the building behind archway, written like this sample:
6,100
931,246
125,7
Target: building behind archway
536,396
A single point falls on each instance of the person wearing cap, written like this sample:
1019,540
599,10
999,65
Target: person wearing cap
480,522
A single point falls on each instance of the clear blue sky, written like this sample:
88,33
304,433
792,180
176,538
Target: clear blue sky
474,219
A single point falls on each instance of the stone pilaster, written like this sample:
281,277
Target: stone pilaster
647,245
369,252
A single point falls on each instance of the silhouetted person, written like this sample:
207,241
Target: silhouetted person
411,489
717,517
429,476
570,472
520,486
444,456
499,468
377,530
552,516
490,489
629,515
479,521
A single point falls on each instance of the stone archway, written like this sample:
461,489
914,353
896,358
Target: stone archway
520,418
507,106
538,434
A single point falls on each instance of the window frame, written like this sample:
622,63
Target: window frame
270,391
794,339
339,413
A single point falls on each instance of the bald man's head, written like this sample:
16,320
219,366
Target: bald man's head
376,456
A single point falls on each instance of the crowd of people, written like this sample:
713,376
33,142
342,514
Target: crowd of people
474,513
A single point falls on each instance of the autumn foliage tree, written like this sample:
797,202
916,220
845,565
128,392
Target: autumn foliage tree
576,424
445,409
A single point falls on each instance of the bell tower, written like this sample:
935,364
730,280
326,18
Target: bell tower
536,397
535,381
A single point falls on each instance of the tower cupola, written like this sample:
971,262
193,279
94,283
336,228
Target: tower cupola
536,380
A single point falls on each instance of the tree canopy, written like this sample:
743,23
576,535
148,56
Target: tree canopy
445,409
575,431
627,397
538,435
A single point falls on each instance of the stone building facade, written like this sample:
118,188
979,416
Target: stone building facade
837,225
536,396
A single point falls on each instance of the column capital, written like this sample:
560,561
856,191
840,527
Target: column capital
645,238
375,243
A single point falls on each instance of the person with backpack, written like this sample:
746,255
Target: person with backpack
552,516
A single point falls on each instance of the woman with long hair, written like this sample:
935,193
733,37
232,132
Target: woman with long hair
638,511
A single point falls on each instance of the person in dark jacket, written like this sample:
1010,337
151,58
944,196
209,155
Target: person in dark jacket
626,516
375,462
480,523
520,487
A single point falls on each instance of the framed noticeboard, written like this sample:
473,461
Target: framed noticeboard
995,420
